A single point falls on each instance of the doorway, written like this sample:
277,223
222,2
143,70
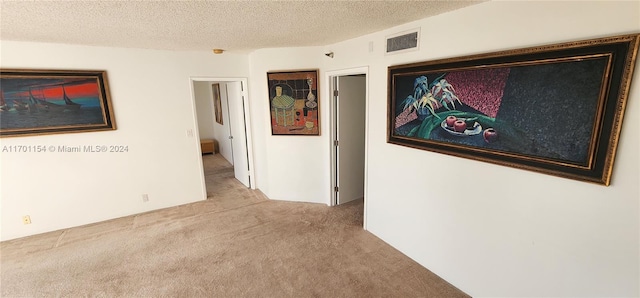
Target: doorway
229,128
348,132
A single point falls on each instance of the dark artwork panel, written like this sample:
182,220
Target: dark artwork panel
554,109
556,105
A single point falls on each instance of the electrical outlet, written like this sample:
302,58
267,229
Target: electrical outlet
26,219
145,197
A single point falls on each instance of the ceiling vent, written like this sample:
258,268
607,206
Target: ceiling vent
403,41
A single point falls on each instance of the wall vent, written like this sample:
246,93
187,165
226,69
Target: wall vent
403,41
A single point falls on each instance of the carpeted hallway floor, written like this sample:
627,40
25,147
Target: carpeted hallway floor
235,244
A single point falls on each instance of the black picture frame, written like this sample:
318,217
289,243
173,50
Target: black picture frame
555,109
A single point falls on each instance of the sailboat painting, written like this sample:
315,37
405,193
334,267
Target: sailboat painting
35,102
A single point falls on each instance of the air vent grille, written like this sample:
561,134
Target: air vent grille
404,42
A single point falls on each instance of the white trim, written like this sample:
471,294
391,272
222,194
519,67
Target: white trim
329,75
333,136
196,137
247,123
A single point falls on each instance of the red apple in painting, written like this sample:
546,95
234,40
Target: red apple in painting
459,126
490,135
451,120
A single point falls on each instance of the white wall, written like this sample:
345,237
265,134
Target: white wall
290,168
507,232
153,107
204,109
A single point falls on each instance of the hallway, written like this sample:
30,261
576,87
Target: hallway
222,188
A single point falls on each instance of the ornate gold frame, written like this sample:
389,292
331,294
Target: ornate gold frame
509,94
36,102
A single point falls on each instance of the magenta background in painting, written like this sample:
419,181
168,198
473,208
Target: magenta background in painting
480,89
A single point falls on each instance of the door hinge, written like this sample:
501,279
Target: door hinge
335,143
335,92
230,137
335,189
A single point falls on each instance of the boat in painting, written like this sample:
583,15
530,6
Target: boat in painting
38,104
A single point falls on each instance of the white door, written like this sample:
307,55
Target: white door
351,103
238,132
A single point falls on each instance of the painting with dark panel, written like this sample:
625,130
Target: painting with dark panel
555,109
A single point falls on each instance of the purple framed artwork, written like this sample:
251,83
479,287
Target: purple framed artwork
555,109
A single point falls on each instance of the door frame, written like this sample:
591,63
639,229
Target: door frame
247,123
331,77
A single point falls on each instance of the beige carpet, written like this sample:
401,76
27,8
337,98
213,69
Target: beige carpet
235,244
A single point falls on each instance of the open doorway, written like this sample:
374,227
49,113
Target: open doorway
348,132
221,108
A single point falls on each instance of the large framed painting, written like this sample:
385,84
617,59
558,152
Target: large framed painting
555,109
34,102
217,103
293,102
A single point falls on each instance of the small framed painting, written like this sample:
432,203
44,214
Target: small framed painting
293,102
35,102
217,103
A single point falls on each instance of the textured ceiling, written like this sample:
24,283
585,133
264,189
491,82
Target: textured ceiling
203,25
